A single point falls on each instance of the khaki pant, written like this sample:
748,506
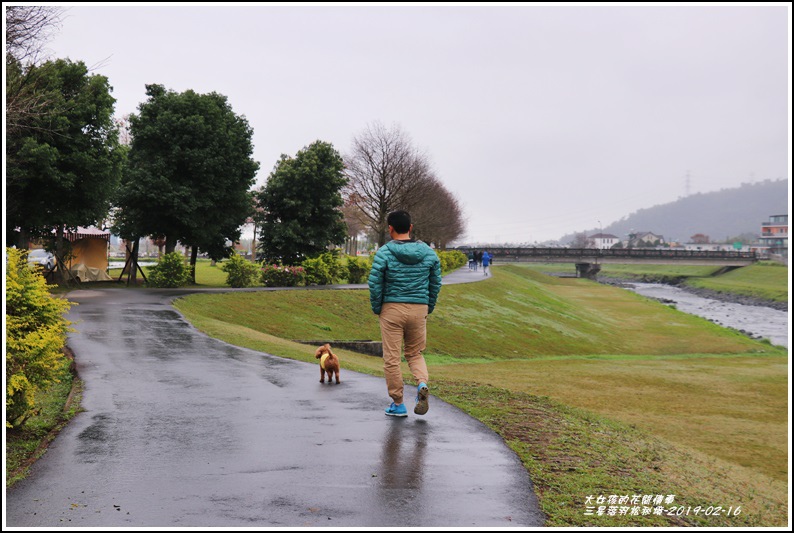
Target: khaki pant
400,322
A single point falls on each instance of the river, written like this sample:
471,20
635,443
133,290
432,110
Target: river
756,321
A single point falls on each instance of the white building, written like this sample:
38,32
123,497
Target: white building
603,241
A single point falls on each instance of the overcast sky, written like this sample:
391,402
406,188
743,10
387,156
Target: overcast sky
543,120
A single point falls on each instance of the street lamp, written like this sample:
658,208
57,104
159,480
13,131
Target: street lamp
601,233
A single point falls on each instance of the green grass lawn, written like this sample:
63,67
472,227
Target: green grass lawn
599,390
726,407
206,274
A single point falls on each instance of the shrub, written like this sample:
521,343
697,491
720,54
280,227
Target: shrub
239,272
358,269
324,269
318,271
451,260
282,276
339,270
444,262
171,271
35,336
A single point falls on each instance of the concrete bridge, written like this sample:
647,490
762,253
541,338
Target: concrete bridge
588,260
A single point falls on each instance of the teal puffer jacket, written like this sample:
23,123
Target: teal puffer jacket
404,272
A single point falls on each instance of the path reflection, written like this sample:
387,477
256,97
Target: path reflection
402,464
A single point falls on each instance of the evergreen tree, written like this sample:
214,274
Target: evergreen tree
190,169
65,165
301,205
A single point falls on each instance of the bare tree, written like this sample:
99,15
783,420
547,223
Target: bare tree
438,216
356,225
27,30
384,170
581,240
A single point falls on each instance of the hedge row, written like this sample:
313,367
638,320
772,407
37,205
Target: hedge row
325,269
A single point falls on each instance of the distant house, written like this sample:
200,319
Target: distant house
644,239
603,241
774,235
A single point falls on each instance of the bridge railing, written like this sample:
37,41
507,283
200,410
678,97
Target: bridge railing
594,253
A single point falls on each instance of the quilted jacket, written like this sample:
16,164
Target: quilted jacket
404,272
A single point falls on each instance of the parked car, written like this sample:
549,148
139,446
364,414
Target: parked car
41,257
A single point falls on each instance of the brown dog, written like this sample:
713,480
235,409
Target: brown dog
329,362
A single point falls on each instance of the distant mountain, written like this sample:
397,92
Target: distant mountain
722,214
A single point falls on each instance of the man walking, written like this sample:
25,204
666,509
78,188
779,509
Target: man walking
403,288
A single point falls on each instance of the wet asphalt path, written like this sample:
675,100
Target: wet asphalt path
181,430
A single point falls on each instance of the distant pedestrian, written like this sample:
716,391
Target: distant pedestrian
471,260
486,260
403,288
477,259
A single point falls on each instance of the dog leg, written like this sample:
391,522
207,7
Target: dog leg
337,377
322,375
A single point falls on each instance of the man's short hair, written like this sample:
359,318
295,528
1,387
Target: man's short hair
400,221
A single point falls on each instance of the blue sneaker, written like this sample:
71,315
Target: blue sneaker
396,410
422,393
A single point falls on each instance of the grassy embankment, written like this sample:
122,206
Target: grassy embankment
766,280
598,390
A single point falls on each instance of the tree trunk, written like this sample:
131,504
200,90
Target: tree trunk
193,258
170,245
253,246
23,241
60,277
134,262
127,263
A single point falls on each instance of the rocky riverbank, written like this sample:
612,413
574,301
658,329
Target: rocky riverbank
703,293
